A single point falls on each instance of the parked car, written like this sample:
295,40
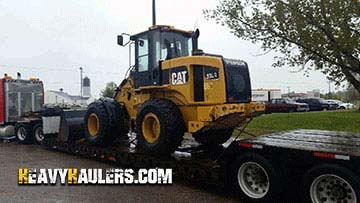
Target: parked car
344,106
315,104
341,105
333,104
285,105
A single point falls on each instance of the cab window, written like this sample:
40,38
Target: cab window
143,58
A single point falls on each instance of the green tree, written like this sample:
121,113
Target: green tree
351,94
321,34
109,90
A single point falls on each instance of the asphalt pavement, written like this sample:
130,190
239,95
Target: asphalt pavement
14,156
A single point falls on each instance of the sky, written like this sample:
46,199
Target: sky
52,39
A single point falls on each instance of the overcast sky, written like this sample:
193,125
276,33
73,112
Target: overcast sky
52,39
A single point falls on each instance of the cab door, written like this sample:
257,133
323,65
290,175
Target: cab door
146,67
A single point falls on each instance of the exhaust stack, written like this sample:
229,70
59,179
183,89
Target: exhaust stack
153,13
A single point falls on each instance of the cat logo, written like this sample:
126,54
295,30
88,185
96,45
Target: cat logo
179,76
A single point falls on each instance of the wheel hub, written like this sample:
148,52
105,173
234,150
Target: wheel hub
331,188
21,133
338,192
253,180
151,128
93,124
39,134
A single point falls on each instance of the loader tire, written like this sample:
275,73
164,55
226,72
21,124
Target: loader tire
160,126
213,137
105,121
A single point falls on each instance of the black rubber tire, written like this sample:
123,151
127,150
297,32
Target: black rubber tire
172,126
112,122
213,137
37,139
344,173
26,129
274,174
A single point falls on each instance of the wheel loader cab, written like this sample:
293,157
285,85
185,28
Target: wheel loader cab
158,44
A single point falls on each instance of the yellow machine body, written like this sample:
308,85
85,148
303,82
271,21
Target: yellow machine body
195,114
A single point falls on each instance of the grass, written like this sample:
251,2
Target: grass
325,120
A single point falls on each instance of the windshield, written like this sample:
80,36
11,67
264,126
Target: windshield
173,45
322,101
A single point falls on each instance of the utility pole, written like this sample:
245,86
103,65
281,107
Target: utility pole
288,87
153,13
81,81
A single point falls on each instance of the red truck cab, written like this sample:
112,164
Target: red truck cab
19,101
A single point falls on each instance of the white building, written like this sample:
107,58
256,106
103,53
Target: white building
313,94
265,95
64,99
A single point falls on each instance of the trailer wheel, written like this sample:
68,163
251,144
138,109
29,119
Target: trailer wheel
38,133
160,126
331,183
23,133
255,179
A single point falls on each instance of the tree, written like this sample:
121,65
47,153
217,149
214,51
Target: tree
319,34
351,94
109,90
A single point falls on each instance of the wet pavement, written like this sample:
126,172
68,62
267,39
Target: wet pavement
14,156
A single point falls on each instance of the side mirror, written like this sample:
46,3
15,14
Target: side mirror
123,39
120,40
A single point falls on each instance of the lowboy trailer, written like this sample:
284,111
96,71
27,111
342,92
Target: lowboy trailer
294,166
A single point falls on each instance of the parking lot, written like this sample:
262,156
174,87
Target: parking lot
14,156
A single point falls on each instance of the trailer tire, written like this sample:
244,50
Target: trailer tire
255,179
330,181
160,126
23,133
38,133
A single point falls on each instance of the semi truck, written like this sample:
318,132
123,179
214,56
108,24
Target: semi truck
20,103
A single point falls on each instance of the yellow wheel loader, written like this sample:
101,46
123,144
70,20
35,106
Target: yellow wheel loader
173,88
